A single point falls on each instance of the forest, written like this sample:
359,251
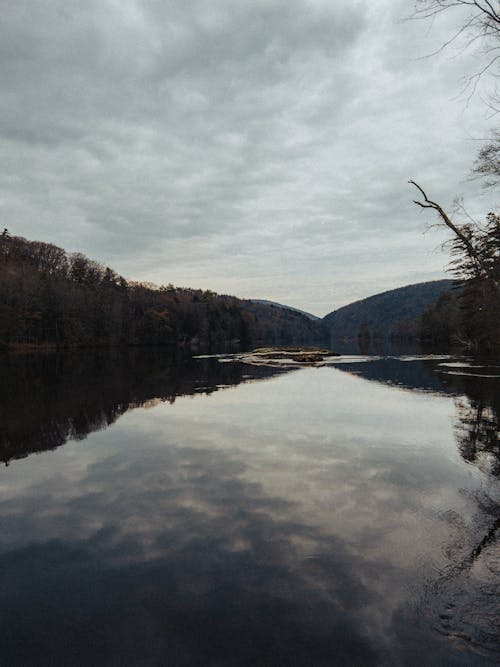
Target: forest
469,317
57,300
54,299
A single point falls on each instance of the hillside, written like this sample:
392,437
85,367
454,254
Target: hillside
392,314
52,298
275,304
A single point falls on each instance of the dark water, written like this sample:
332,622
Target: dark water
169,511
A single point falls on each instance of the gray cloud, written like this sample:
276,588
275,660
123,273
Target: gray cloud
258,148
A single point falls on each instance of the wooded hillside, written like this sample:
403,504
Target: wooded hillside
49,297
394,314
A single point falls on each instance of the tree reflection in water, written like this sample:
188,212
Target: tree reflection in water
463,601
470,590
477,399
49,399
477,427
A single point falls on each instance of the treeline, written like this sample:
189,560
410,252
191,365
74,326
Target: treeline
393,316
49,297
461,315
469,318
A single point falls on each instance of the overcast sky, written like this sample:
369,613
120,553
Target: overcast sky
254,147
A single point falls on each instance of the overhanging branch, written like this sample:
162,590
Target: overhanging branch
466,243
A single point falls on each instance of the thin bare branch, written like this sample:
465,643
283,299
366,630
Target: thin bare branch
481,25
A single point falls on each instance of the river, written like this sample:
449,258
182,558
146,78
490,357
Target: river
162,510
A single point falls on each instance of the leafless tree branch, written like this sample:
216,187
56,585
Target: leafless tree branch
460,236
481,24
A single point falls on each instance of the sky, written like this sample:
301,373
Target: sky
259,148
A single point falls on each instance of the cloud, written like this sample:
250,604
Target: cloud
169,139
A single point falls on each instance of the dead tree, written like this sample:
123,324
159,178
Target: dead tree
467,241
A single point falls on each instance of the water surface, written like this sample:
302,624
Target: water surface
158,510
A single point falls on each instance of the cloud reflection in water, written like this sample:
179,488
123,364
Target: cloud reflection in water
258,526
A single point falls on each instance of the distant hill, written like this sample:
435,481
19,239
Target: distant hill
395,313
274,304
55,299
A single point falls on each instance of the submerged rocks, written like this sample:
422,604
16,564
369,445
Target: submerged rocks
280,356
288,356
307,357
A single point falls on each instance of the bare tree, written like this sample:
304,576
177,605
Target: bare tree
484,15
479,26
487,164
477,248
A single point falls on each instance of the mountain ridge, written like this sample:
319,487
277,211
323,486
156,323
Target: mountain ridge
392,313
